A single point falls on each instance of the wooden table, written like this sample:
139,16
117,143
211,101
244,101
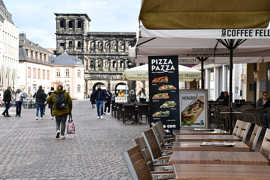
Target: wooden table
196,146
193,132
220,172
191,138
217,157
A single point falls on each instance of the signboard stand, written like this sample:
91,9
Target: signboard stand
164,91
194,108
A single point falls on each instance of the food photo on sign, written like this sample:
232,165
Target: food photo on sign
193,108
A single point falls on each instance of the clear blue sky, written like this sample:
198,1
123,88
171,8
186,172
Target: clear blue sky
36,17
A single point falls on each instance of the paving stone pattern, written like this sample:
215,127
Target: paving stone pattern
29,150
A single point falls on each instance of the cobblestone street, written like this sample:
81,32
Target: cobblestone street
29,150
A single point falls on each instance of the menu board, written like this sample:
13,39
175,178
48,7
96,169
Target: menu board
193,108
121,99
164,91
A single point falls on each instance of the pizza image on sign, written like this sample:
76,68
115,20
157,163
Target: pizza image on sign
161,114
160,79
168,104
193,111
166,87
161,96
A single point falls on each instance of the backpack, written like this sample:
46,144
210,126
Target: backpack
60,102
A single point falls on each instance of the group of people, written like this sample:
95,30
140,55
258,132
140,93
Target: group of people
101,97
19,97
59,102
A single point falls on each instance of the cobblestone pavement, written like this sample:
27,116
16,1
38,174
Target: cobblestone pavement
29,150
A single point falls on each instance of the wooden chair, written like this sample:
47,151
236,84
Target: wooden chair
140,142
138,168
160,129
255,137
153,146
265,148
237,128
243,130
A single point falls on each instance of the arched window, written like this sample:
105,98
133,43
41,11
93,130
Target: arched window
92,65
70,24
62,23
79,45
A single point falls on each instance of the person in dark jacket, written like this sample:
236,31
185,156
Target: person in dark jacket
223,98
50,105
108,100
263,105
100,96
40,102
60,114
7,99
93,100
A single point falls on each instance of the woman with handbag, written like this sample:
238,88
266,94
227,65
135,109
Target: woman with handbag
62,107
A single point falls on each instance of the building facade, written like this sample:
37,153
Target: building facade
39,67
69,71
104,54
35,66
9,50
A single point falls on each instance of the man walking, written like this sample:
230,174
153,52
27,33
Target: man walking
40,100
7,99
100,96
108,99
62,107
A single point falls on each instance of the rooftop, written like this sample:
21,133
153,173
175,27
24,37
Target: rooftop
73,14
66,60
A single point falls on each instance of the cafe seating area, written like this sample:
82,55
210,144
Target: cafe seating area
201,154
134,113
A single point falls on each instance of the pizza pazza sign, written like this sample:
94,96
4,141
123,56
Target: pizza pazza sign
164,91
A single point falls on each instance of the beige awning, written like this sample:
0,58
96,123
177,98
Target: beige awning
141,73
205,14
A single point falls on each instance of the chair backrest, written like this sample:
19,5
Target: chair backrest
136,164
152,144
243,130
158,135
255,137
237,128
145,151
265,148
161,129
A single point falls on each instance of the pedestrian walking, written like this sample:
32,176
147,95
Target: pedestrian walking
62,107
40,100
100,98
7,99
50,105
93,100
108,100
19,100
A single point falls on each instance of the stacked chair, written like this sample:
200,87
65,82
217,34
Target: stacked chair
149,158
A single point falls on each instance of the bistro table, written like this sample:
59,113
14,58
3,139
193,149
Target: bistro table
196,146
201,132
217,157
201,138
220,172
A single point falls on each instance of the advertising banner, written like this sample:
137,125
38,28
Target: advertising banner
193,108
164,91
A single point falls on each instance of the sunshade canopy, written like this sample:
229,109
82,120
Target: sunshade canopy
188,44
205,14
141,73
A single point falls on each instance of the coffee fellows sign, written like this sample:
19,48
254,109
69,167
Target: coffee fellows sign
164,91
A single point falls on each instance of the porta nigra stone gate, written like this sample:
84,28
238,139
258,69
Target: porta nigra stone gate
104,54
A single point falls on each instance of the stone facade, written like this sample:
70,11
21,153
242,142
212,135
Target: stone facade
104,54
9,50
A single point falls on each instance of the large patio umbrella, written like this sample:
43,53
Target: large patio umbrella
204,14
141,73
